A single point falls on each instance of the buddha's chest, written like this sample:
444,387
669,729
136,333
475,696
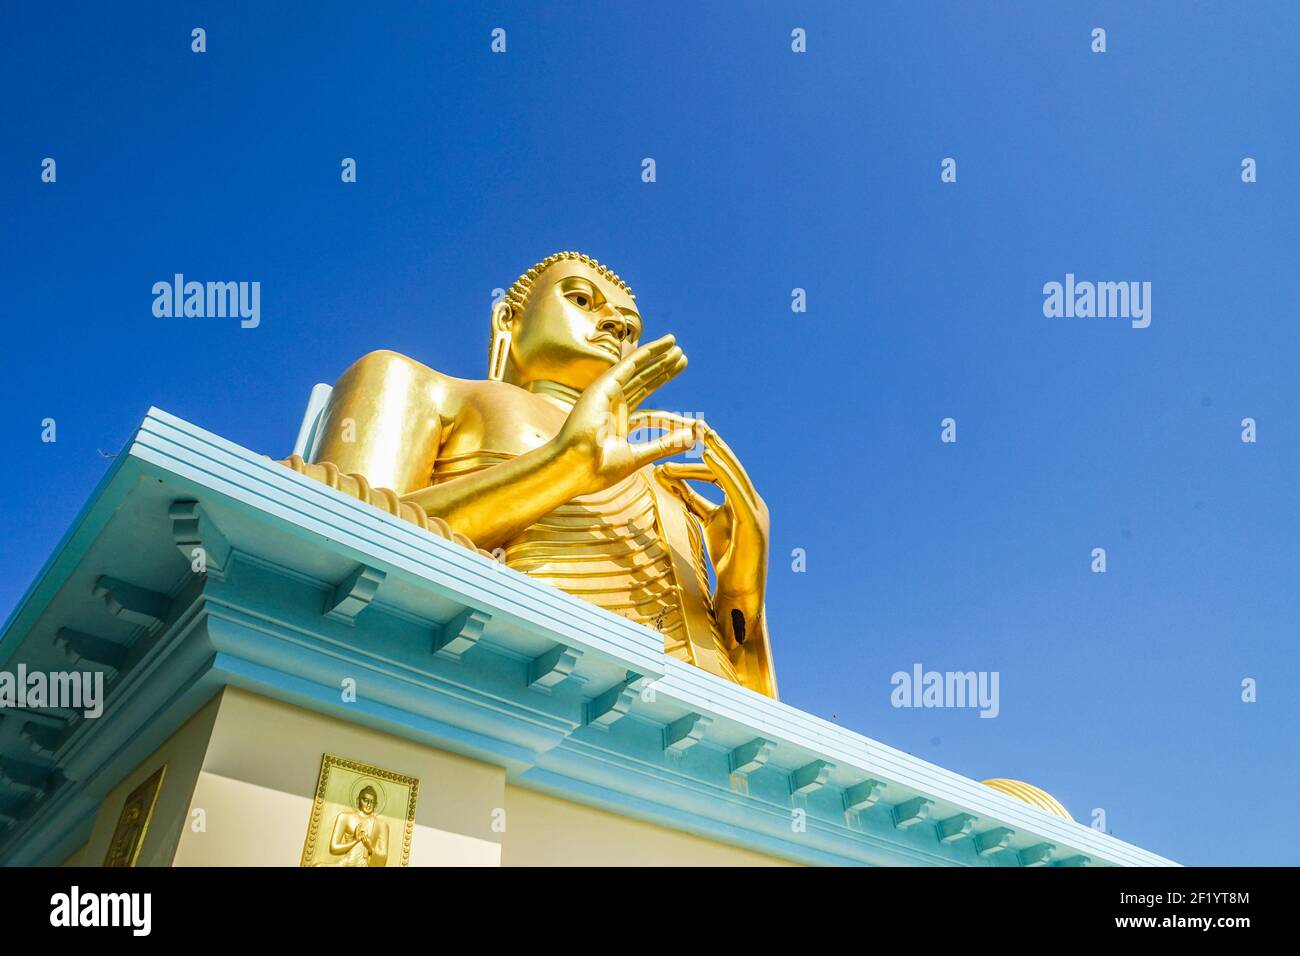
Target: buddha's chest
608,548
501,426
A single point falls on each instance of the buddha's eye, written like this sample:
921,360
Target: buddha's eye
580,299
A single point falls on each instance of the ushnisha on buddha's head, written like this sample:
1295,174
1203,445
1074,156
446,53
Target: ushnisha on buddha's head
566,320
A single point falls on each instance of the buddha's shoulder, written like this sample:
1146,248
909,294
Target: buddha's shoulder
387,365
386,362
490,396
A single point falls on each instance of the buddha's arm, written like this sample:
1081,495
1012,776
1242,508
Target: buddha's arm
754,658
590,453
741,568
380,432
383,422
742,618
379,441
383,426
339,842
736,536
493,505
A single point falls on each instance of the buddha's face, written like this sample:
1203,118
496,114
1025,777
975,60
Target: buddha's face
367,802
575,325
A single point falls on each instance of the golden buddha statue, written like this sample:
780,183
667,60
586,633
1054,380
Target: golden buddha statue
534,464
360,837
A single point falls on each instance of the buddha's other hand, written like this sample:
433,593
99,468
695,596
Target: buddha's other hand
735,531
593,440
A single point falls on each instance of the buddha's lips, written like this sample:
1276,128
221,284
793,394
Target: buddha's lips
607,344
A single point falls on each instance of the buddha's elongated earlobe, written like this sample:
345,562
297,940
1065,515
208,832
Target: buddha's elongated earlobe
497,358
500,350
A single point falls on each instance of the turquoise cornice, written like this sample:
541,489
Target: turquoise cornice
306,588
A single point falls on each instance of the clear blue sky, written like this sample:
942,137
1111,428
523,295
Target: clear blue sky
775,170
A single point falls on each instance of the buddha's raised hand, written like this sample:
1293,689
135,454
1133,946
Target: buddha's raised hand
737,531
593,440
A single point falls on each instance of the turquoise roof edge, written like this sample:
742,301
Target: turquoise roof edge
795,760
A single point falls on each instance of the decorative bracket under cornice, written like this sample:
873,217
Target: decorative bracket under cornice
24,777
911,812
353,594
549,670
199,540
461,633
1040,854
862,796
956,827
810,777
685,732
102,654
612,706
132,604
43,733
993,841
751,756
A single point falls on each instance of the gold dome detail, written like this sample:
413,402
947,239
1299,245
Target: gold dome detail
1029,794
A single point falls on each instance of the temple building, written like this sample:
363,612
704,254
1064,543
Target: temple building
294,676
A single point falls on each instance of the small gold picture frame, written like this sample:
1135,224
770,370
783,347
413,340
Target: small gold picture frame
360,815
137,813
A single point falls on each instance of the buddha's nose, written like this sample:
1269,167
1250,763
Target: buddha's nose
613,323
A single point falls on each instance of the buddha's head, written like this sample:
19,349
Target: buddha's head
566,320
367,799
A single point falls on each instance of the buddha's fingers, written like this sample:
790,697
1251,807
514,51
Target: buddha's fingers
626,368
657,383
674,443
655,374
727,480
721,451
695,502
655,418
660,370
688,471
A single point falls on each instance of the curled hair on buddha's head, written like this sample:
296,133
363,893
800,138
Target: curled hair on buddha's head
516,298
517,295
